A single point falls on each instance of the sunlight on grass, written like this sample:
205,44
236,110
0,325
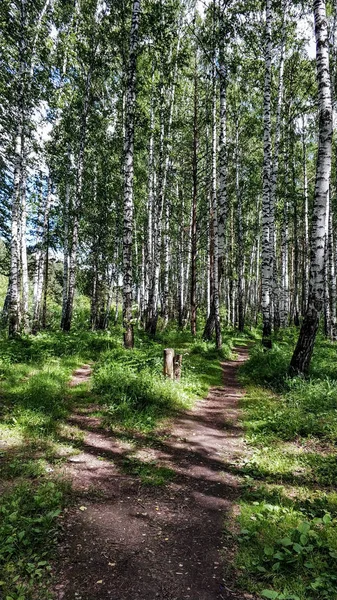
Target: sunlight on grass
287,546
133,391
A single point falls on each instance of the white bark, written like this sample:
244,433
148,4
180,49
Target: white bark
275,165
128,177
222,207
40,259
214,200
14,307
301,359
267,258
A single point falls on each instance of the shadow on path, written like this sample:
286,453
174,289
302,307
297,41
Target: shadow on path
136,542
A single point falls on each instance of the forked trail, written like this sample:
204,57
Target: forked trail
128,541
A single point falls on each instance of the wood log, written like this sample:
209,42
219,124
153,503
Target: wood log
177,360
168,362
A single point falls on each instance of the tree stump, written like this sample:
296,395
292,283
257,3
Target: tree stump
168,362
177,360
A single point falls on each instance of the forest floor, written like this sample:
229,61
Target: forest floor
149,515
116,482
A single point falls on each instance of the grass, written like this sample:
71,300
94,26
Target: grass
135,395
149,473
135,401
28,537
35,440
287,545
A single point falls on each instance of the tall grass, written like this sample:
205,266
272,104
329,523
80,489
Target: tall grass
288,518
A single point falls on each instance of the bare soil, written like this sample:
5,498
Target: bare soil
128,541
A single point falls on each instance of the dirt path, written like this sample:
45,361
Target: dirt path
128,541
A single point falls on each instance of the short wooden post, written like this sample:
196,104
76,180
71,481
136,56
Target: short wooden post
168,362
177,360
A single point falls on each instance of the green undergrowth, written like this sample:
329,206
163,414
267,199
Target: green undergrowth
34,442
287,545
133,391
36,439
29,528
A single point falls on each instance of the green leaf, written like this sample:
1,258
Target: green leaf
326,519
268,550
286,541
303,527
298,548
270,594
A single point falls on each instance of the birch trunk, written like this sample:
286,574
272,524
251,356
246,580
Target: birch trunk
166,266
149,264
240,254
14,304
302,355
45,275
267,256
194,205
128,178
66,252
18,266
40,261
68,313
305,247
296,264
23,250
216,299
222,207
332,325
274,175
152,312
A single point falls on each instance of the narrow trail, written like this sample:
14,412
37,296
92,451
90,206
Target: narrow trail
128,541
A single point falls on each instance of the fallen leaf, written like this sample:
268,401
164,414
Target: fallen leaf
99,581
112,564
83,508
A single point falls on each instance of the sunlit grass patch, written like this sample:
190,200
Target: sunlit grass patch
149,472
134,392
287,545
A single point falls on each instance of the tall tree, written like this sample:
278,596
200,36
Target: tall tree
302,355
128,177
267,255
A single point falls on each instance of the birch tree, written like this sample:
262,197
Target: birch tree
128,177
267,258
302,355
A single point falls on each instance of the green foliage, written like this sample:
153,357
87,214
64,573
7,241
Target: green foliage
307,407
28,534
288,539
55,344
298,556
133,390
